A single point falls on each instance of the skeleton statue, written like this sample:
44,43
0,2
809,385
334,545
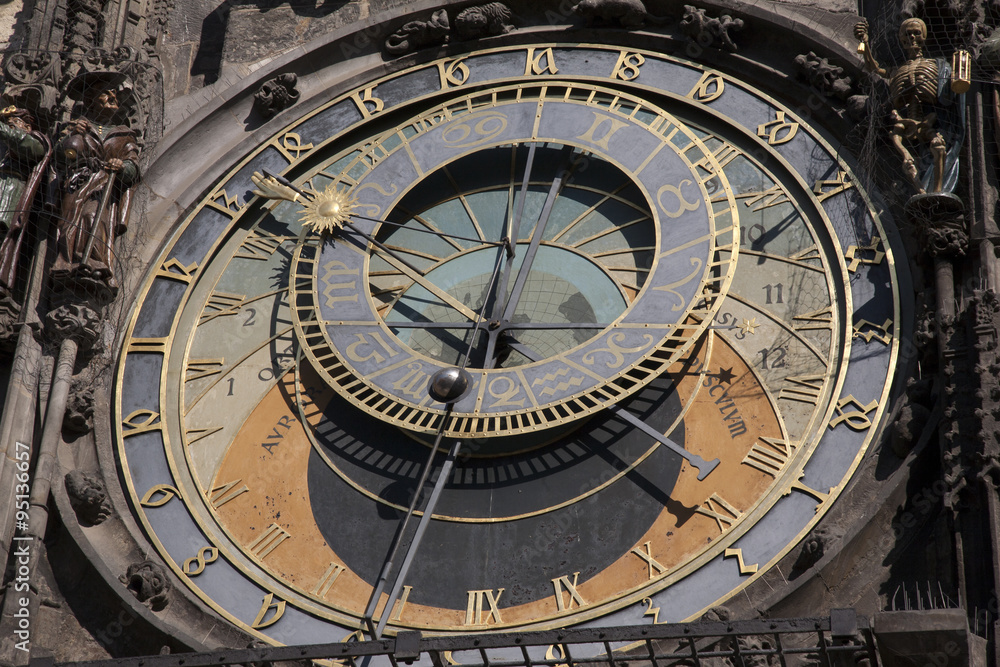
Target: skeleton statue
923,112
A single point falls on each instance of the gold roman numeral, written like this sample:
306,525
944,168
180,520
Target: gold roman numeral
269,540
721,510
225,493
148,345
769,455
646,554
221,304
724,154
559,583
193,435
261,244
758,201
328,579
474,610
817,320
202,368
826,189
803,388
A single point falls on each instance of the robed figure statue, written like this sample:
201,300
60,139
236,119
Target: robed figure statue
22,170
97,160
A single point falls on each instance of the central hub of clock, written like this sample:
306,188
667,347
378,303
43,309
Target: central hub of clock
593,255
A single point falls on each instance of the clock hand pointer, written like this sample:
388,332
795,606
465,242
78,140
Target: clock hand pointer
388,254
513,231
529,255
277,193
400,578
704,467
426,231
448,385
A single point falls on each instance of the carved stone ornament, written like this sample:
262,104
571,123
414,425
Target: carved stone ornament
825,77
707,31
941,218
419,34
148,582
276,95
479,21
812,550
623,13
88,497
73,320
79,415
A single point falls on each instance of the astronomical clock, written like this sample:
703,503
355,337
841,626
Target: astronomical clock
674,300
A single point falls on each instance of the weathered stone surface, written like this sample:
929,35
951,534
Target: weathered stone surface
916,638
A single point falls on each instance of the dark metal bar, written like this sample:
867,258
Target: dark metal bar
686,634
513,325
401,535
425,519
536,240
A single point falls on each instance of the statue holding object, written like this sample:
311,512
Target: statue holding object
22,169
97,160
925,111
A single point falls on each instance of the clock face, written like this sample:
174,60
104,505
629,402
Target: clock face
613,243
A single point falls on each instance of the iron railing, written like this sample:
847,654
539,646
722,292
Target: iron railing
840,640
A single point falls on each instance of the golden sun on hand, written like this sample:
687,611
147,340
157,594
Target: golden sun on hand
329,210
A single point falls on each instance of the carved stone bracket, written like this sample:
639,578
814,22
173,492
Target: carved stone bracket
708,31
149,583
276,95
913,417
76,321
940,216
812,550
10,312
88,497
826,77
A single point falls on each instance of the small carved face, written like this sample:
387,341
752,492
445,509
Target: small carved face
107,101
146,582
